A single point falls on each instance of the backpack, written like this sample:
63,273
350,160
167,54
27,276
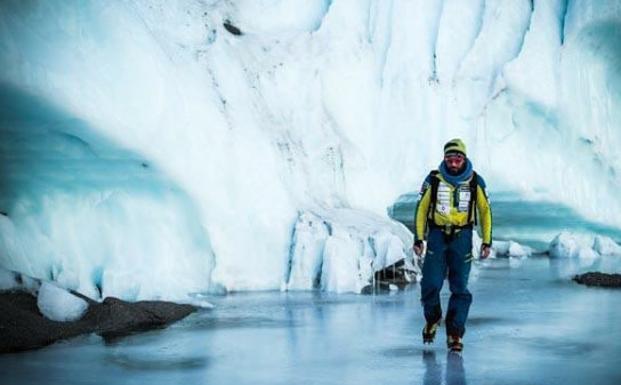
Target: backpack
435,182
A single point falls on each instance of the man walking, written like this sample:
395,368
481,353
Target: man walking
446,214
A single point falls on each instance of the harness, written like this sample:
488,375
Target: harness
451,230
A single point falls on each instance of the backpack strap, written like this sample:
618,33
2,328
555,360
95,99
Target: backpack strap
472,212
435,182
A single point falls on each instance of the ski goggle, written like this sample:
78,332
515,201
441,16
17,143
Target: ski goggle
454,158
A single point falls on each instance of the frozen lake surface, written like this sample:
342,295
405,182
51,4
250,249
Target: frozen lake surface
529,325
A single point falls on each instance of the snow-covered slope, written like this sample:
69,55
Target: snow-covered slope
148,151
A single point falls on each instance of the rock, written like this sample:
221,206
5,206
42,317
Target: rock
232,28
394,277
23,327
116,318
599,279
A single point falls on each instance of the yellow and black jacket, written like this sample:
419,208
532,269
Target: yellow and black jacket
453,206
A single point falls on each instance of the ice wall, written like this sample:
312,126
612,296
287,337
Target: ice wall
317,104
90,215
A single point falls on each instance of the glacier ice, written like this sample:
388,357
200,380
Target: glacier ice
339,250
8,280
146,152
606,246
582,245
586,252
511,249
14,281
572,245
58,304
67,191
53,301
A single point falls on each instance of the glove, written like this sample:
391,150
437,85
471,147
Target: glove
418,247
486,250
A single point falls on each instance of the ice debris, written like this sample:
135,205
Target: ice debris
583,246
340,250
58,304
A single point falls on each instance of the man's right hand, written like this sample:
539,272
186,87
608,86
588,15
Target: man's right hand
418,247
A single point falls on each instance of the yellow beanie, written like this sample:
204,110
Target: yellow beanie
455,145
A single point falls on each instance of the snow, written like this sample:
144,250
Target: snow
148,153
58,304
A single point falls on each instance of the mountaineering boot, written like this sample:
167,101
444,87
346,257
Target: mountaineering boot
454,344
429,332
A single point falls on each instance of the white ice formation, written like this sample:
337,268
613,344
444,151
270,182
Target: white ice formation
339,250
54,302
511,249
586,252
572,245
8,280
14,281
149,150
58,304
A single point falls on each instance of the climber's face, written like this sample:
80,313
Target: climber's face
454,162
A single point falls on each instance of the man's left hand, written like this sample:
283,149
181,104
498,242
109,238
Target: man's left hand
485,251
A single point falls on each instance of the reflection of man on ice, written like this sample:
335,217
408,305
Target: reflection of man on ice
445,216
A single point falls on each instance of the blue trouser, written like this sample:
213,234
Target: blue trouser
452,253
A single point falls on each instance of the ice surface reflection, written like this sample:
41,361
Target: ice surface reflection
528,325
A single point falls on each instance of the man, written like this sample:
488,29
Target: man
446,213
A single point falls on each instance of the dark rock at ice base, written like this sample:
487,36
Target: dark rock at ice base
234,30
116,318
599,279
397,274
23,327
